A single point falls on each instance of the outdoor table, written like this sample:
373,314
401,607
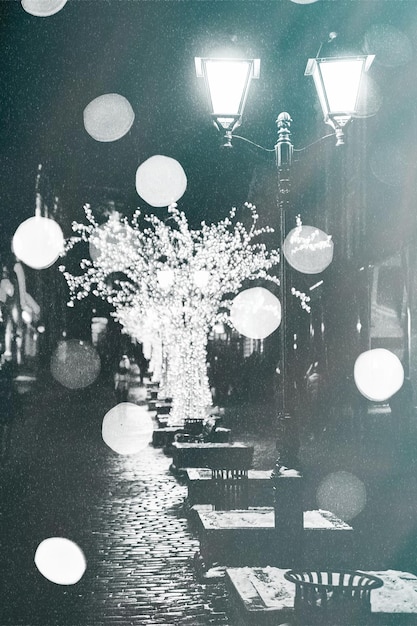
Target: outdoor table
212,455
246,537
163,437
201,487
159,406
263,597
162,420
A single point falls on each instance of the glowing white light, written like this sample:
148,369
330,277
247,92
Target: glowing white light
127,428
43,8
41,329
75,364
256,313
165,278
6,289
38,242
60,560
219,329
378,374
308,250
26,317
108,117
227,83
342,80
343,494
303,1
201,279
160,181
15,314
173,324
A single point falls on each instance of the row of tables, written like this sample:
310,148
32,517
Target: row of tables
250,548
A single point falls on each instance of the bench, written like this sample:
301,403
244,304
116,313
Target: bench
263,597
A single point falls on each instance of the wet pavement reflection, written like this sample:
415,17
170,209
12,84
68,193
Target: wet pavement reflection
59,479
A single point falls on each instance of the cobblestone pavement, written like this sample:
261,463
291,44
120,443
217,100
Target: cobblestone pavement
58,478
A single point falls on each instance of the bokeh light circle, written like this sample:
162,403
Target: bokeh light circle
308,249
127,428
75,364
38,242
378,374
255,313
43,8
60,560
343,494
108,117
390,46
391,171
160,181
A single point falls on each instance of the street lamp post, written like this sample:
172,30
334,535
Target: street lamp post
338,81
288,443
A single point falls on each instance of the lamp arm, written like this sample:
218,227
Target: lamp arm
253,143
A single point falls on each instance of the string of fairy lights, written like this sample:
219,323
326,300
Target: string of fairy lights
172,287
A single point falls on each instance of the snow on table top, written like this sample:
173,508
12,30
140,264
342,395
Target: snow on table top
264,517
266,587
204,473
398,593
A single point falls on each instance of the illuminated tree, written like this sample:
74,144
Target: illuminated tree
169,285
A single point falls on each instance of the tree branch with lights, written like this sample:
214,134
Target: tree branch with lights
169,285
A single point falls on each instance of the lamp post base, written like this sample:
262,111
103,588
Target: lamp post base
288,441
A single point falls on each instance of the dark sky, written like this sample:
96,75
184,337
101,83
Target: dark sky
51,68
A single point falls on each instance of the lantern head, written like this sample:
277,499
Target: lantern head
338,80
227,82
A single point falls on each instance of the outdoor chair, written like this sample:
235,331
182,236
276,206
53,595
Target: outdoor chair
193,426
230,489
204,431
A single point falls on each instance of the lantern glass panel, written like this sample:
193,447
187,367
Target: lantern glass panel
228,82
341,80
